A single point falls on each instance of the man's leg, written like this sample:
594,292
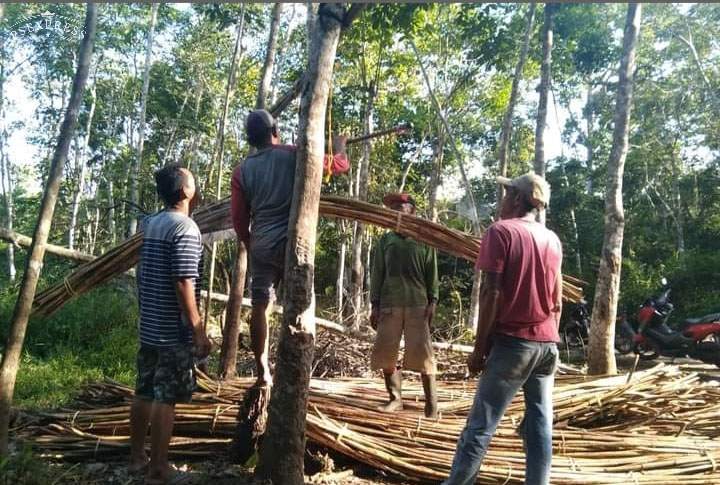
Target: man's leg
139,421
419,355
385,356
161,427
539,419
141,407
174,383
259,341
509,364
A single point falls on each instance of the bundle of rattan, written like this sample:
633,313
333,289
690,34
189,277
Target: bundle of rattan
341,417
215,218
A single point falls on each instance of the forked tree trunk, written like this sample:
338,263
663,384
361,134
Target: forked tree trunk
544,89
283,448
81,168
23,306
137,161
506,130
601,357
267,70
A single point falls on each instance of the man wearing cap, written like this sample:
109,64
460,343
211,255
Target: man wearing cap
517,331
262,189
403,292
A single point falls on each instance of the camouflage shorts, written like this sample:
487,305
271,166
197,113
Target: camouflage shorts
165,374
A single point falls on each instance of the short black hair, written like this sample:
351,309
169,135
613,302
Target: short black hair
258,136
169,181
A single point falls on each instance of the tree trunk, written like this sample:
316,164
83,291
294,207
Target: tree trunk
601,357
6,184
677,200
340,283
283,448
231,329
7,192
475,295
544,88
267,69
112,232
506,130
588,141
81,168
436,176
357,268
135,169
23,306
220,143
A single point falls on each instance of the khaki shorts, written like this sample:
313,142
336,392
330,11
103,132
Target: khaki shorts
418,348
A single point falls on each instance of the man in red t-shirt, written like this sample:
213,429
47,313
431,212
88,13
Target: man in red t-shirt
517,331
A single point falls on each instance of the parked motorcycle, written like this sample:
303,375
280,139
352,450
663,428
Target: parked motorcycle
574,329
696,338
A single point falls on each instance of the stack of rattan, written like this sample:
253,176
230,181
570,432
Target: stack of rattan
655,446
215,218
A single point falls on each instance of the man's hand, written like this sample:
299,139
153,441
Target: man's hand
201,344
430,313
476,362
374,317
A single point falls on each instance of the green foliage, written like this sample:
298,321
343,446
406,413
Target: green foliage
92,337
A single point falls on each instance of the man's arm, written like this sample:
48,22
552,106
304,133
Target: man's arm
377,276
186,253
432,284
239,208
185,289
558,301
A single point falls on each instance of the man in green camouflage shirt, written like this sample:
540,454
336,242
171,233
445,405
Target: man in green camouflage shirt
404,292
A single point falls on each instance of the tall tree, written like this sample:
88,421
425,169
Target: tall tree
270,51
220,143
6,181
283,449
601,357
357,269
544,91
23,306
81,167
137,161
506,129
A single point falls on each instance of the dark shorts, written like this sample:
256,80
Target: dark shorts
165,374
266,269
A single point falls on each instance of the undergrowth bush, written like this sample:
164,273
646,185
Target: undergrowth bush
92,337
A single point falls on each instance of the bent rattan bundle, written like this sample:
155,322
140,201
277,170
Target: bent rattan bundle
661,443
216,217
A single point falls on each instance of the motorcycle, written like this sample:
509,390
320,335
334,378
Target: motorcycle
574,329
696,338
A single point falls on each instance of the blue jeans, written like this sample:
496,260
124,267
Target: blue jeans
513,363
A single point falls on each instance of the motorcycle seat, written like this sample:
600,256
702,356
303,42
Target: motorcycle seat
713,317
